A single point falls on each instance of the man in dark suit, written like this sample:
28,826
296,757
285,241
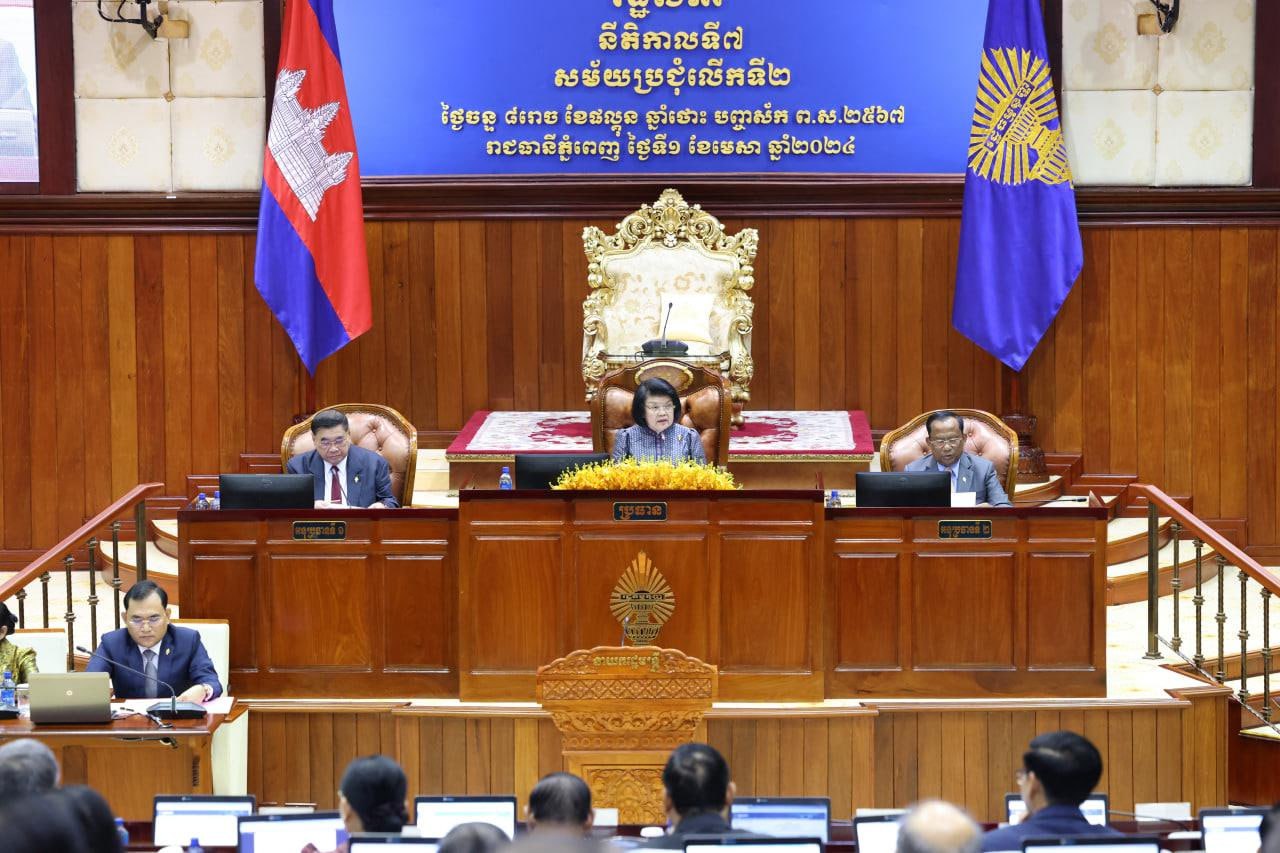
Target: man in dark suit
1059,770
969,473
697,795
164,652
345,475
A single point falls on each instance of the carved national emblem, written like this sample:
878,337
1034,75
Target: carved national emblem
642,601
296,140
1016,135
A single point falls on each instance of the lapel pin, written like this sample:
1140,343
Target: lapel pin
357,478
166,651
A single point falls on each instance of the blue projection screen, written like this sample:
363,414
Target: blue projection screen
600,87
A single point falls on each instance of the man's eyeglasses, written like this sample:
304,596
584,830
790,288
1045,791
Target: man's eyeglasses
139,621
658,408
327,443
946,442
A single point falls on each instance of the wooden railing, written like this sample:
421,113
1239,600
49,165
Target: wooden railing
1249,571
60,557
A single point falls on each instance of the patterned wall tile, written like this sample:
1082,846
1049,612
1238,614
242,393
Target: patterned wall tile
1111,137
1204,138
224,55
218,143
1101,48
116,60
1211,48
122,145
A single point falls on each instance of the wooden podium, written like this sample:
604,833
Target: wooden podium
620,711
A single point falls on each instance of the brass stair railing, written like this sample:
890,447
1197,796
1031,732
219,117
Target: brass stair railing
1249,573
40,569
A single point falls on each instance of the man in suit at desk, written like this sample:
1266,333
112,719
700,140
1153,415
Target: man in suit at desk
345,475
160,651
969,473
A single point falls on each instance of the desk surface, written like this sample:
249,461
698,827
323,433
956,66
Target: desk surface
137,726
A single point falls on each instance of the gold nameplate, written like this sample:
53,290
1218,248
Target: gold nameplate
310,531
639,510
967,529
642,601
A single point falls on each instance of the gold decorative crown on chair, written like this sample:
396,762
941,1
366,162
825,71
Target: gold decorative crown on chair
669,254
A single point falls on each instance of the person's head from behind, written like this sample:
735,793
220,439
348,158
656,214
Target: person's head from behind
945,435
933,826
473,838
656,404
146,613
1269,830
1058,769
330,431
94,817
70,820
27,766
560,802
371,797
696,780
8,623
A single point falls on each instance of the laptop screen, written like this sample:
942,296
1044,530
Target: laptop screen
794,817
376,845
877,834
753,845
177,820
1231,830
1095,809
1094,844
435,816
271,833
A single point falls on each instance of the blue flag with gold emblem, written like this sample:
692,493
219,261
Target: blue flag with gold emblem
1020,246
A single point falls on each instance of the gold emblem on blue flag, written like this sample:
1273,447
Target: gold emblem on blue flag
1011,141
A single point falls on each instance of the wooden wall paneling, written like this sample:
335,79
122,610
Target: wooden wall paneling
1122,323
1206,345
550,748
833,289
525,766
937,281
1120,758
44,390
396,316
1095,287
817,752
299,760
976,752
929,755
1179,459
1097,729
910,343
371,347
287,377
16,390
94,359
176,336
1261,356
961,352
953,757
500,325
573,287
791,758
479,758
203,420
1145,757
524,273
1068,408
807,296
857,314
780,371
1039,384
768,757
555,316
325,777
1151,355
906,758
260,430
421,342
1004,758
882,247
449,331
475,318
842,764
1233,348
232,437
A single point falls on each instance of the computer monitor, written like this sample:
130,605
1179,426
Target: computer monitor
540,470
1096,809
375,843
267,491
1094,844
273,832
175,820
877,833
1231,830
793,817
752,845
435,816
900,488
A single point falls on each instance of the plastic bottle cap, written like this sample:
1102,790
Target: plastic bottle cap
506,470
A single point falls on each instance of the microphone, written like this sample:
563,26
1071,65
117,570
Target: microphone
662,346
171,710
665,322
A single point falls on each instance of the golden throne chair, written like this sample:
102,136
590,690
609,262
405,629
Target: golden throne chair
677,254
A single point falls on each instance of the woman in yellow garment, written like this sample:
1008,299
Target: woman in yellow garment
19,660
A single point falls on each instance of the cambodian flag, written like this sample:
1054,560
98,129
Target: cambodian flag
1020,248
311,266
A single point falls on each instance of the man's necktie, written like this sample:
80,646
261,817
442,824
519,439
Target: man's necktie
149,669
335,490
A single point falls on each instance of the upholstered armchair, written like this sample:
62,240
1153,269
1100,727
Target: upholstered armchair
704,404
669,254
378,428
985,435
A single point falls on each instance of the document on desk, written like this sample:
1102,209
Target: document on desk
221,705
964,498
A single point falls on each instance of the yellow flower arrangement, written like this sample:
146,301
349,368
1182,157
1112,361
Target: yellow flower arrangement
640,475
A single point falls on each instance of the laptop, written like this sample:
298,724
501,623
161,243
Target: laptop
178,819
1094,844
374,843
752,845
877,833
1096,809
292,832
435,816
71,697
1231,830
783,817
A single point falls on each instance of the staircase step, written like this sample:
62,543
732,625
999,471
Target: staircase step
1127,581
164,532
1037,492
435,498
1127,538
161,568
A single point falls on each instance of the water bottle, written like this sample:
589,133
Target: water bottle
216,503
202,502
8,692
122,833
194,846
504,479
834,500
